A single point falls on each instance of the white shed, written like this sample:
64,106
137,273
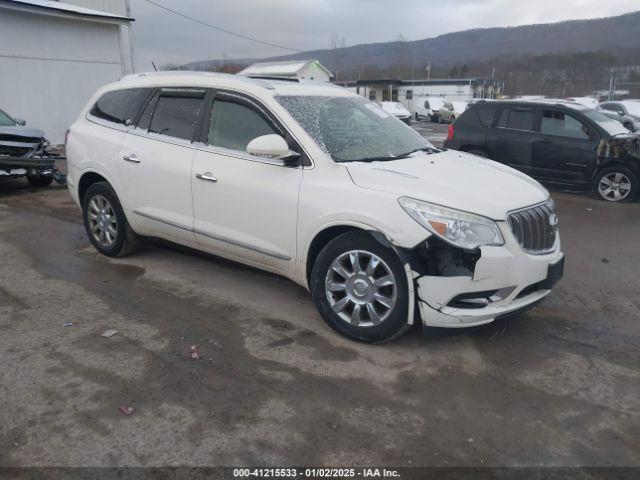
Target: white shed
295,69
53,57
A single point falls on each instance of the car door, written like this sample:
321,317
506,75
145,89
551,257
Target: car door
565,148
156,161
245,206
510,139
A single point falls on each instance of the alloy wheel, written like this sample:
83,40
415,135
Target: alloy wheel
102,221
614,186
361,288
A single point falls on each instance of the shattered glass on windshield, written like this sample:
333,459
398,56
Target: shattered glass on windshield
353,129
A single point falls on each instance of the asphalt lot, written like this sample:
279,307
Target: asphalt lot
558,385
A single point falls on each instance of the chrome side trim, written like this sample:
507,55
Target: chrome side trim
161,220
241,245
214,237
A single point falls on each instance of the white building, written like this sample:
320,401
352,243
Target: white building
296,69
413,92
54,55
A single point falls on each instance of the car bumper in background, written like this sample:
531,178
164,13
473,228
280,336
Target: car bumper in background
506,280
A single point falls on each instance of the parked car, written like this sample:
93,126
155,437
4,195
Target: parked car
22,152
430,109
317,184
584,101
629,110
627,122
397,110
446,114
452,110
555,142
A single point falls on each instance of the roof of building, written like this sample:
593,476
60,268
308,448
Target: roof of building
64,8
280,69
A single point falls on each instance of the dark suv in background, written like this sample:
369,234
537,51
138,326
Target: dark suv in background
556,142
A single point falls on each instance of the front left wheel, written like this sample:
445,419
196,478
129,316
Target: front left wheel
39,180
360,288
617,184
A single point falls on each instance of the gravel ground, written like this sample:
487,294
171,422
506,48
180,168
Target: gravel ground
557,385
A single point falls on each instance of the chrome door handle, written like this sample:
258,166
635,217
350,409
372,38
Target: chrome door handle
131,158
208,176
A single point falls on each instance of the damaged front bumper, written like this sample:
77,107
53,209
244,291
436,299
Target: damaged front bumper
504,280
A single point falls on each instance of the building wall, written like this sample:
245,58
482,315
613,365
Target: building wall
413,95
314,72
50,66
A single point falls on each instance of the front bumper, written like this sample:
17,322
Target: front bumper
511,279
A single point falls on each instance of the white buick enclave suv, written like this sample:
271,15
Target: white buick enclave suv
317,184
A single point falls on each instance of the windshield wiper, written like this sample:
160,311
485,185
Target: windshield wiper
391,156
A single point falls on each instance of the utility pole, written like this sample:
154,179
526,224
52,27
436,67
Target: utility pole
130,31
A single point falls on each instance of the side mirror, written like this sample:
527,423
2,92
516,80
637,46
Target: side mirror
271,146
21,122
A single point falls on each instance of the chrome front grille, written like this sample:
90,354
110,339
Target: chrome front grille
535,228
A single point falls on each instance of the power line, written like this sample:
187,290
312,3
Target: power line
228,32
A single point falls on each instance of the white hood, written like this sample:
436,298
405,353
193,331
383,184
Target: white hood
452,179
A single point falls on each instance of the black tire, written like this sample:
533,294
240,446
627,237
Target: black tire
39,180
395,323
126,241
633,179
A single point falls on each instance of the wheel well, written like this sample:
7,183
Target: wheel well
86,181
321,239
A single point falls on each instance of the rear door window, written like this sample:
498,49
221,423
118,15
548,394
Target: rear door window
120,106
516,118
176,113
234,124
555,122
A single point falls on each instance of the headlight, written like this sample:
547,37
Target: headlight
462,229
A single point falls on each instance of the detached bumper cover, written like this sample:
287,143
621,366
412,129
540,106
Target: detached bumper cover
519,280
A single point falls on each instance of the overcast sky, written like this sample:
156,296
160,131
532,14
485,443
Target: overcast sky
163,37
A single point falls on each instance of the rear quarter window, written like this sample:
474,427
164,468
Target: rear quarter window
486,115
120,106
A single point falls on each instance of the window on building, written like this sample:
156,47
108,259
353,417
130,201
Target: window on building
119,106
372,95
409,95
559,123
176,113
394,95
234,125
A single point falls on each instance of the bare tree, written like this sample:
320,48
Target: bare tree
337,45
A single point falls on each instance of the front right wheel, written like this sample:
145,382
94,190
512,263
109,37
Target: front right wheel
360,288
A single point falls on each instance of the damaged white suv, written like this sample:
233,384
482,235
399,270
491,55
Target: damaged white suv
317,184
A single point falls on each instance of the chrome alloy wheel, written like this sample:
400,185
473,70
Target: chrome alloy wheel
361,288
614,186
102,221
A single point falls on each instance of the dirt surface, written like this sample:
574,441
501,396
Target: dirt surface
558,385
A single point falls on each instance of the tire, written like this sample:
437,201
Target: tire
39,180
617,178
389,319
100,204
